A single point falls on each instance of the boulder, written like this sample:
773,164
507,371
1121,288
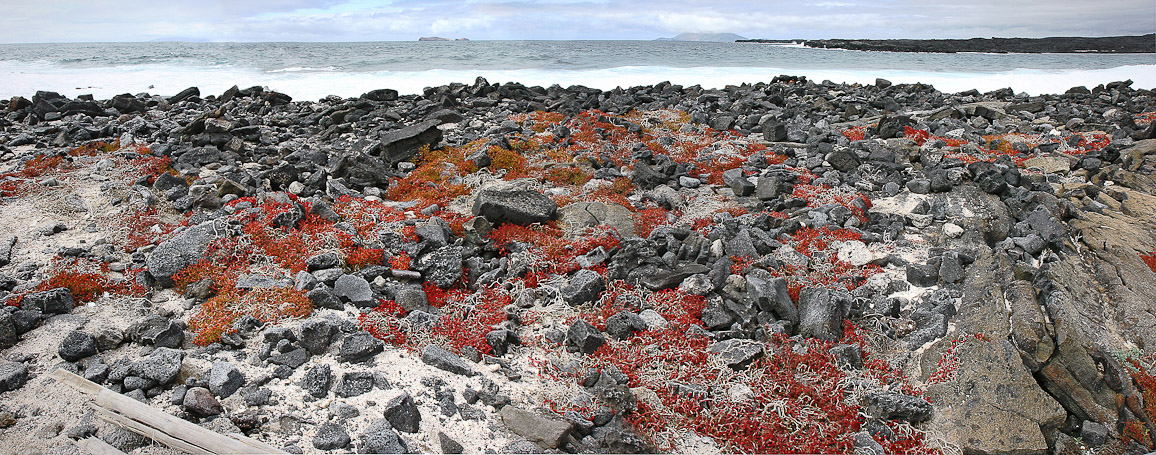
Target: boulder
330,436
522,207
442,359
359,169
585,286
589,214
199,401
162,365
225,379
821,312
585,337
547,433
317,380
401,145
402,413
183,250
380,438
354,383
354,289
52,301
735,353
77,345
359,347
13,375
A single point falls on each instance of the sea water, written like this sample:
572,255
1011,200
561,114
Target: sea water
315,70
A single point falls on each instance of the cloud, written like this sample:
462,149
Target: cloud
362,20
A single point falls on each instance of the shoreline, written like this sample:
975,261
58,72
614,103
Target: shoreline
1141,44
571,270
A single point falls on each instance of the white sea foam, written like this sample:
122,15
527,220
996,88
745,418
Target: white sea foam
25,78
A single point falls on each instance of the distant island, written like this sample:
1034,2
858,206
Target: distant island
712,37
1068,45
438,38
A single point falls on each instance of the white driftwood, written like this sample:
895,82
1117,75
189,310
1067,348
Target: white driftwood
96,446
158,425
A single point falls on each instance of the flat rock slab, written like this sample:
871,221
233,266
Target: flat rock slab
735,353
439,357
547,433
992,404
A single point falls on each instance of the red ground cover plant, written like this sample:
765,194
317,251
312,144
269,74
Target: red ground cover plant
789,401
269,305
556,253
1149,259
1142,431
465,319
86,280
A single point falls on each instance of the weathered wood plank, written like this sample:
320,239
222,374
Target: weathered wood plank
158,425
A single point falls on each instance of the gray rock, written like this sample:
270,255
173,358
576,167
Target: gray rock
9,335
316,381
53,301
585,336
919,186
521,207
330,436
1094,434
354,383
439,357
201,402
897,406
821,312
591,214
157,331
736,353
225,379
867,445
13,375
354,289
359,347
448,444
183,250
623,324
326,260
585,286
292,359
380,438
77,345
124,440
547,433
891,126
770,293
442,267
322,297
361,170
402,413
401,145
162,365
847,356
950,270
922,275
843,160
316,335
767,188
6,246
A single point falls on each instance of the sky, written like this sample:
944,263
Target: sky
405,20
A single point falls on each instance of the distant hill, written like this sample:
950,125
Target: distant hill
719,37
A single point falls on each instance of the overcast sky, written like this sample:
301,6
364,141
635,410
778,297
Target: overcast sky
406,20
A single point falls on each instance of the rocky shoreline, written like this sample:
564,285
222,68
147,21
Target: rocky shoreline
789,266
1141,44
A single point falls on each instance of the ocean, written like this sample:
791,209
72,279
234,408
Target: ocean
310,71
